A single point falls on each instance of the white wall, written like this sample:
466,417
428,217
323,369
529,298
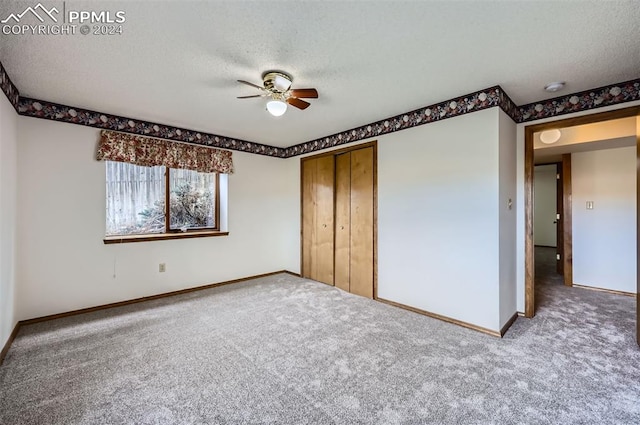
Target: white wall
446,238
507,216
292,207
63,264
438,227
8,205
604,238
544,210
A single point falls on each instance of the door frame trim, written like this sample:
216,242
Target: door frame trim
529,292
567,221
638,227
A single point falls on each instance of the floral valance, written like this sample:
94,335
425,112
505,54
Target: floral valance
149,151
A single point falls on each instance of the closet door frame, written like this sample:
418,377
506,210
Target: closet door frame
334,153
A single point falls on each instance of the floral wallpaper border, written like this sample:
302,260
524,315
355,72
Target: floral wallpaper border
8,88
508,106
57,112
495,96
613,94
472,102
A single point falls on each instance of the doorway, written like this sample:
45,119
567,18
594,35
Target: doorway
553,222
547,223
532,130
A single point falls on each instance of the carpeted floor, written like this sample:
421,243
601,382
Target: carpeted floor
284,350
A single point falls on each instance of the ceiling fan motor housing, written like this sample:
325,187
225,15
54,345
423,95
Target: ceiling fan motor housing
276,81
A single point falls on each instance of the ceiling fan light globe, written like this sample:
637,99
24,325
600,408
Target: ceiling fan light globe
281,83
276,107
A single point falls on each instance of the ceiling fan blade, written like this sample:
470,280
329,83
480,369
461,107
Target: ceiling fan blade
308,93
251,84
255,95
300,104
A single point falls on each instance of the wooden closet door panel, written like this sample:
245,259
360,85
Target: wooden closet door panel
309,251
325,192
343,218
361,279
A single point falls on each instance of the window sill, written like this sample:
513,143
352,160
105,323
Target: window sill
163,236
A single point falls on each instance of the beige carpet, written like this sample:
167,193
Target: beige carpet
284,350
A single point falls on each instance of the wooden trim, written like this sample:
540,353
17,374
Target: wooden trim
544,246
7,345
567,220
335,152
507,325
529,300
520,313
529,258
375,219
440,317
638,226
586,119
21,323
608,291
559,223
163,236
301,180
143,299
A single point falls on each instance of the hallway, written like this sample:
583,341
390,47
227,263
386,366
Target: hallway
578,313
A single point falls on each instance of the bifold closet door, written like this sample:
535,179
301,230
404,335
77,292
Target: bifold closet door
343,221
362,222
354,222
317,219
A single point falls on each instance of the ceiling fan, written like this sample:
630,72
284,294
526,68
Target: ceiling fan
277,87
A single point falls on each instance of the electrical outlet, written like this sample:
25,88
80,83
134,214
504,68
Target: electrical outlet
162,267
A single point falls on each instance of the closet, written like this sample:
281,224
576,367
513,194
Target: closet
318,180
338,218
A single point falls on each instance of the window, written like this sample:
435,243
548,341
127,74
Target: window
137,195
161,189
192,200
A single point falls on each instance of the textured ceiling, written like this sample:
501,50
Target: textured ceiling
177,62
